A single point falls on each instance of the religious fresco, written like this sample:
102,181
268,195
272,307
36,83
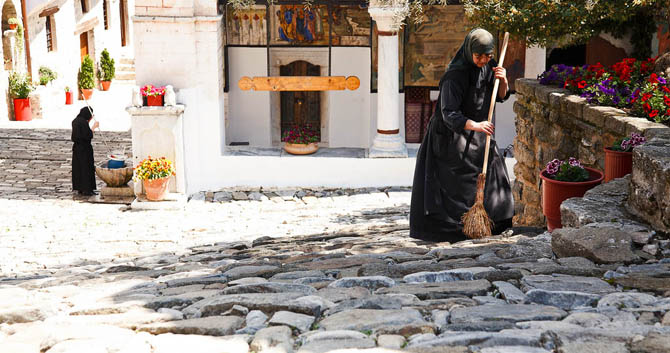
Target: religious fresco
375,35
351,26
246,27
433,43
299,25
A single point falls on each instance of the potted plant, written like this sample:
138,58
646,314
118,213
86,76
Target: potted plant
46,75
619,157
19,88
13,22
155,175
68,95
86,78
301,139
562,180
106,71
154,95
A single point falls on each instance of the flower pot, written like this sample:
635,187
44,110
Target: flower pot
105,85
617,164
156,189
22,109
87,93
155,101
68,98
13,25
301,148
554,192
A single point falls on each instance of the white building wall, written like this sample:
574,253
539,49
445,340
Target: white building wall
350,110
249,119
6,105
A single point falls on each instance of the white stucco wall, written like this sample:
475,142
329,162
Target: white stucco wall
249,111
350,110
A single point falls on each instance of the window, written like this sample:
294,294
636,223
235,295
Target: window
49,30
84,6
104,14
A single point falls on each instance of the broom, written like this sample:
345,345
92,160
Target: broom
476,223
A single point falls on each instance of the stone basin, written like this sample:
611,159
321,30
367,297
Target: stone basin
114,177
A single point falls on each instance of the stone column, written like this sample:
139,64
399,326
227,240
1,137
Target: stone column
388,142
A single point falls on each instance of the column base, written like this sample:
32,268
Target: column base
388,146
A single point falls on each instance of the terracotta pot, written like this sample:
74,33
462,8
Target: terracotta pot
617,164
301,148
22,109
156,189
105,85
554,192
87,93
155,101
68,98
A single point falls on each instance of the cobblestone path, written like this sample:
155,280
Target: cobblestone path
312,271
37,163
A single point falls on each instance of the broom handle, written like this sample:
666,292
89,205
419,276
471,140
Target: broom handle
493,102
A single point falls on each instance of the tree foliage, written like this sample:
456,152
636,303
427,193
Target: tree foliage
562,22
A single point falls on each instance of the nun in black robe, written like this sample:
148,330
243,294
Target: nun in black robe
452,152
83,168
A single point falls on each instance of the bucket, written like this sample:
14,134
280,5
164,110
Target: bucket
116,161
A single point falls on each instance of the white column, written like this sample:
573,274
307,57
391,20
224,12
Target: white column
388,142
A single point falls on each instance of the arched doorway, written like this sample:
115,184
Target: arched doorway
8,11
300,107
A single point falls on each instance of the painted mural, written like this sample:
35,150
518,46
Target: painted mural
246,27
515,59
351,26
663,38
375,35
299,25
433,43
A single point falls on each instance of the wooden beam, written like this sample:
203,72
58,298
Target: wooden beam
50,11
299,83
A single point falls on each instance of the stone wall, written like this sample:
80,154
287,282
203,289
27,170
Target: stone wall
553,123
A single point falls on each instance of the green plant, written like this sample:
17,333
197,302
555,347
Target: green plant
107,66
302,134
19,37
46,75
67,88
19,85
572,170
85,76
13,21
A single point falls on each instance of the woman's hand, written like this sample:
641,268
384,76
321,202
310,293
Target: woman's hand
96,124
482,126
499,72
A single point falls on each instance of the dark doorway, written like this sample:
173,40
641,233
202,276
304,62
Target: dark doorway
123,18
574,55
83,45
299,108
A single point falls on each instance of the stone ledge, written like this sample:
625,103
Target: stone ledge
650,181
163,110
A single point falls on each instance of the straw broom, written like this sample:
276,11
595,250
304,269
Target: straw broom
476,223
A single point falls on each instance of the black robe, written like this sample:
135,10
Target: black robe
83,167
450,159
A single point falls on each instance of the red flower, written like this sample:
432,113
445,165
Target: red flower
653,113
666,100
646,107
665,89
653,78
581,84
646,96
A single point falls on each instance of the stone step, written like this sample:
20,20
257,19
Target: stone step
125,76
125,67
127,61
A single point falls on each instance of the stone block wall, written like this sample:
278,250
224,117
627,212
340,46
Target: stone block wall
553,123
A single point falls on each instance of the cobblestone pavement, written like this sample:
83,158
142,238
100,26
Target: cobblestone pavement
37,163
313,271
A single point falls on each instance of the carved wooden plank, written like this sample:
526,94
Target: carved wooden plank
299,83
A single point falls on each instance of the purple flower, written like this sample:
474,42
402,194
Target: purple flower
552,167
574,162
625,144
661,80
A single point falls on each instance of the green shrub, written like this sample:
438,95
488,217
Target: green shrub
19,85
13,21
86,74
46,75
106,66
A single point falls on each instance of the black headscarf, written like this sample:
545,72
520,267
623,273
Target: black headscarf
478,41
85,113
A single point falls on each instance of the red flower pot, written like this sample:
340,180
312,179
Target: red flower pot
554,192
156,189
105,85
68,98
617,164
155,101
87,93
22,109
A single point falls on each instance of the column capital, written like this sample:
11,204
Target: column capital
388,14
